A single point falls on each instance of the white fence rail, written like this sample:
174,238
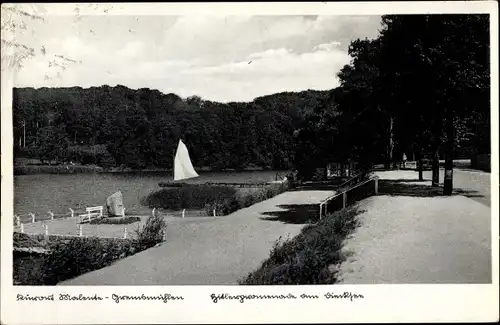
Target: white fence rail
87,214
79,230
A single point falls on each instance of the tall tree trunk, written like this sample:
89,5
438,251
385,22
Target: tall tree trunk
419,166
448,164
435,167
390,146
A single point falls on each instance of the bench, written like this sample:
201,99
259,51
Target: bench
92,213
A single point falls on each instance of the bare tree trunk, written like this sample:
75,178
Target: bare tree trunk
448,164
435,168
390,147
420,168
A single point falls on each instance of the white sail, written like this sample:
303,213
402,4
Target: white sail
183,168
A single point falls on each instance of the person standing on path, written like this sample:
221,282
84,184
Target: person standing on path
404,160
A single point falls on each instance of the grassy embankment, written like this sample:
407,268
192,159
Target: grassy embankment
312,257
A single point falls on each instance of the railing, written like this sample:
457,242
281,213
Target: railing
361,176
91,212
343,199
78,231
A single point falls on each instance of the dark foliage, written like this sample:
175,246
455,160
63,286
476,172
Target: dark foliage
141,128
76,256
189,197
231,204
152,232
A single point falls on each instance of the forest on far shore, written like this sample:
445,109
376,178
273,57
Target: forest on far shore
115,126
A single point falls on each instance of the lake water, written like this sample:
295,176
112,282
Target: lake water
43,192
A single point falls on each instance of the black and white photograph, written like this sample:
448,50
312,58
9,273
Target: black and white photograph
248,149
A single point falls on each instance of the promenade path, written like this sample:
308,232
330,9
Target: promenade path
207,250
410,235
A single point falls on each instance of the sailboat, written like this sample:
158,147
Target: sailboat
183,168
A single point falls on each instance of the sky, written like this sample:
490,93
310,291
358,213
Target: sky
220,58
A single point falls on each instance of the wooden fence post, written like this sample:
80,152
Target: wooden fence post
344,200
376,185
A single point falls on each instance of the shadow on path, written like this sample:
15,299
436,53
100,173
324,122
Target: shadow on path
401,187
294,214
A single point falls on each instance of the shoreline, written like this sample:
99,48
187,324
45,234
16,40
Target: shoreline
21,170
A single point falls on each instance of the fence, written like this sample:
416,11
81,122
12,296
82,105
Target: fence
73,224
360,177
89,213
349,195
73,230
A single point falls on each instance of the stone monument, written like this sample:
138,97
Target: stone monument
114,205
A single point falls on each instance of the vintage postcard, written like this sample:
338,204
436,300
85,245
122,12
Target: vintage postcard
249,162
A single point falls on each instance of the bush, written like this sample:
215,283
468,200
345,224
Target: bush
28,269
152,233
86,155
189,197
116,220
306,258
22,240
224,199
224,206
228,205
265,193
77,256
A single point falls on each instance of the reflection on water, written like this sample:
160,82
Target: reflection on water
41,193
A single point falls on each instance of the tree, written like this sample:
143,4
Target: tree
449,52
53,143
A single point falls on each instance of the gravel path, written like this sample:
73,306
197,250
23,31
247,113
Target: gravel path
206,250
407,239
